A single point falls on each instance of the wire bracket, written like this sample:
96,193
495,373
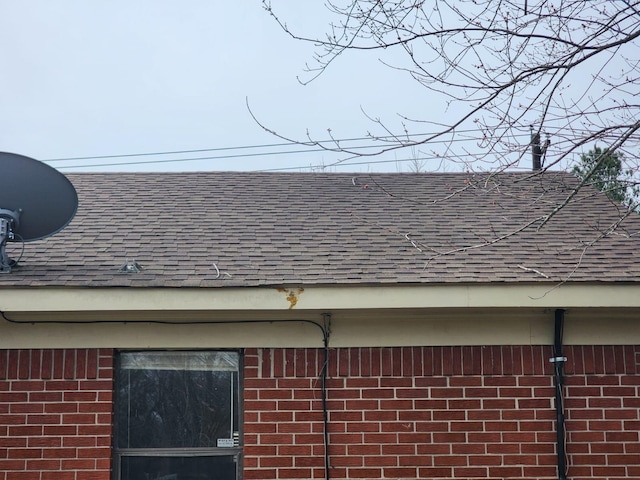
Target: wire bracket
558,359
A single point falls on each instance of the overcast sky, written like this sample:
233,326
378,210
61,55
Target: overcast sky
115,77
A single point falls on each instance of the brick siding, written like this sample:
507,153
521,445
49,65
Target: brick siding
441,412
401,413
55,414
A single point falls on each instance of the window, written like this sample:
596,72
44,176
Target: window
176,416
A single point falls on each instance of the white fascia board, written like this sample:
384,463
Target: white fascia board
536,295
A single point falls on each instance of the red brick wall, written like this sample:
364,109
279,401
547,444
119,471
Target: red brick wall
55,414
426,412
441,412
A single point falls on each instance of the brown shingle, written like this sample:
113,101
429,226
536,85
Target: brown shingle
218,229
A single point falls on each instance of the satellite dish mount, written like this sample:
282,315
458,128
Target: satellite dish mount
9,223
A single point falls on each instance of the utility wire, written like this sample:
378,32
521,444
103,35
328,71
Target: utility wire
347,163
334,145
337,142
175,152
309,143
193,159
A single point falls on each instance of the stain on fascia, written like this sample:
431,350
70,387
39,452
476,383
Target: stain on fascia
293,295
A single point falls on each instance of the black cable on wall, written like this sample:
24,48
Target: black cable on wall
325,328
558,361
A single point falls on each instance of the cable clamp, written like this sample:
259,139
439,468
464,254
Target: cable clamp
557,359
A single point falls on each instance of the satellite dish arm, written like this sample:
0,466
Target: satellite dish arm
9,222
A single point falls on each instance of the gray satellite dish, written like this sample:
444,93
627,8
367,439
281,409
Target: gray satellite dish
36,201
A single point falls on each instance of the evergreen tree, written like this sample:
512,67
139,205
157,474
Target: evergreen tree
604,170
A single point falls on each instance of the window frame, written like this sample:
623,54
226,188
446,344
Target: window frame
236,451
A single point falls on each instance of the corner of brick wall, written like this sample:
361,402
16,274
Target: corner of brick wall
56,414
441,412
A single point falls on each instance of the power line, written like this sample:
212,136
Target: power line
335,142
192,159
310,143
335,164
175,152
276,169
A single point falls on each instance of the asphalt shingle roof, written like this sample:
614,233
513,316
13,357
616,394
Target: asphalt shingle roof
223,229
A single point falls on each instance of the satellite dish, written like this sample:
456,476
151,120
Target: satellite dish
36,201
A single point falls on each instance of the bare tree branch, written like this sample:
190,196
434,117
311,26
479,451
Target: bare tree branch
568,68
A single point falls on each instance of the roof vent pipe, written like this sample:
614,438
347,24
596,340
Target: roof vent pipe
537,150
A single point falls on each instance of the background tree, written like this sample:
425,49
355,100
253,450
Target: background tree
604,170
569,67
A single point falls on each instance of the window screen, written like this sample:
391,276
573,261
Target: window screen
176,416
